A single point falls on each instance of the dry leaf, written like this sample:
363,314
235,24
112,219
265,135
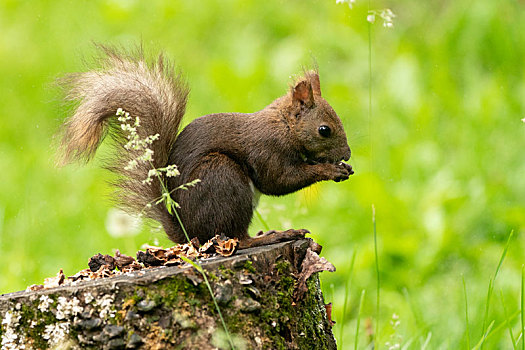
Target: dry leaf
56,281
328,308
226,247
312,263
96,261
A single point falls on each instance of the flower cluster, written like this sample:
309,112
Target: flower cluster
349,2
386,15
134,141
395,339
143,147
170,170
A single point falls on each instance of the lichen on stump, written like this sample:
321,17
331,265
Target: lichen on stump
170,307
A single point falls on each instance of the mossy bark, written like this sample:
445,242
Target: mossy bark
171,307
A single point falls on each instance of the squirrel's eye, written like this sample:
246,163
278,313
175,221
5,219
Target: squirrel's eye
324,131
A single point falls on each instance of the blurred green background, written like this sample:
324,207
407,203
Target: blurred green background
441,159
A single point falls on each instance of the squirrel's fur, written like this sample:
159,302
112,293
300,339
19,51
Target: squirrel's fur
275,151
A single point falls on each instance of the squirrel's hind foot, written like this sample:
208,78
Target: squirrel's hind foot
271,237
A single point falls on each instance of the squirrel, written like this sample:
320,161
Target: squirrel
295,141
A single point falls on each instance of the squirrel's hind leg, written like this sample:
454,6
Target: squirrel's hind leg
221,203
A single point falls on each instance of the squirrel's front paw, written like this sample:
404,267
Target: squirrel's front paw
341,171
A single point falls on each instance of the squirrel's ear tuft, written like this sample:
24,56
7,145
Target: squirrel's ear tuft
316,83
302,93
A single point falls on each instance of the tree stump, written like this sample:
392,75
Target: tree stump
266,296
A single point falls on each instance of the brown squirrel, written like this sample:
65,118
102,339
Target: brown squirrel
292,143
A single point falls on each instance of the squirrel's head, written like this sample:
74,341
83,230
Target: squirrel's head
316,125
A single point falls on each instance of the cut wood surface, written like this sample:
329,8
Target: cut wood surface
269,296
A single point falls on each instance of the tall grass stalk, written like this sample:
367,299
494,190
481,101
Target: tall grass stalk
522,312
345,303
376,332
427,341
484,337
466,313
507,321
499,327
378,280
370,88
361,301
491,287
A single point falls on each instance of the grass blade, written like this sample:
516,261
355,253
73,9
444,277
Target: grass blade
361,300
345,303
263,222
502,325
507,321
466,313
484,337
427,341
491,284
487,306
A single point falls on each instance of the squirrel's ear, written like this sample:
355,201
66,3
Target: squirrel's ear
302,93
316,83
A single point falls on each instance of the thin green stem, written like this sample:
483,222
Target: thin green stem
361,300
171,204
203,273
487,305
347,292
378,280
522,305
466,313
266,227
370,88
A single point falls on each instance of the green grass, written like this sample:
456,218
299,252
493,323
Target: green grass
441,157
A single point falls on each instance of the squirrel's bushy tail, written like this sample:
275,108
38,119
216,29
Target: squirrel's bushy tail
151,91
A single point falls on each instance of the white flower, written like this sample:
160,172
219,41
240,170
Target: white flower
131,164
147,156
121,224
371,18
172,171
350,2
